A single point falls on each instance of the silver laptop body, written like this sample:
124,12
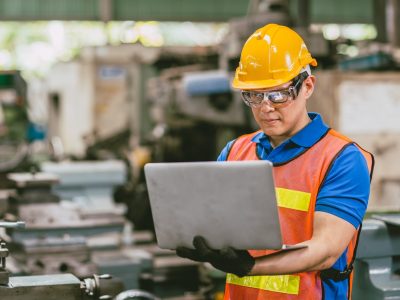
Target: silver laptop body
229,203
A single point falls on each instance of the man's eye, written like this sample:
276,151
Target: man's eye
257,97
275,97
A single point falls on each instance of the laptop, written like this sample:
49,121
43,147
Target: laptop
228,203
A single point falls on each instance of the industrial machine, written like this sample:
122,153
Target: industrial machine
52,287
377,267
63,237
46,214
89,184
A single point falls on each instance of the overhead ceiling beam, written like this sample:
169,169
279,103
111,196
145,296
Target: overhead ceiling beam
320,11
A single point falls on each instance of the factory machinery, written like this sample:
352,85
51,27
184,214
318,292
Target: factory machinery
140,104
57,286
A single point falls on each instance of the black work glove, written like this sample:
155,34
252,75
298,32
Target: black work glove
229,260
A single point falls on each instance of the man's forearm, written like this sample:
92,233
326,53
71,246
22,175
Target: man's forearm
330,238
314,257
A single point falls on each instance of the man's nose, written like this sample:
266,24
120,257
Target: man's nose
266,106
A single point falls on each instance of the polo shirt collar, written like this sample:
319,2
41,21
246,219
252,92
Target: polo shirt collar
306,137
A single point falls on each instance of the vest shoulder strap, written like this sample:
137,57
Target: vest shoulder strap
331,273
238,144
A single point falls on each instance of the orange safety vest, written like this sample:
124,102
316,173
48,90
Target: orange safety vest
297,183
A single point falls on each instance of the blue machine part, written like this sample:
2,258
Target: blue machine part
36,132
376,61
206,83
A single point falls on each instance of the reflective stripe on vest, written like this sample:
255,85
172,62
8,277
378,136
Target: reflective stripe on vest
293,199
288,284
296,197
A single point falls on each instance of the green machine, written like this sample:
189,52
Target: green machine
13,121
13,114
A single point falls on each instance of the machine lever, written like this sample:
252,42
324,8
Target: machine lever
18,224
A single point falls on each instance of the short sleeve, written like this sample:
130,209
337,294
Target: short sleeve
345,190
225,152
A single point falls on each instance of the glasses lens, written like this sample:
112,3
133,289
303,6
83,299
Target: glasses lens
252,98
279,97
275,98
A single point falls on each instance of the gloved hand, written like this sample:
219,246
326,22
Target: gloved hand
229,260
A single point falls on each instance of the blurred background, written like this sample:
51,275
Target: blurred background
91,91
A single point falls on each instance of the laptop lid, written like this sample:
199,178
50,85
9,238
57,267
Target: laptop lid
229,203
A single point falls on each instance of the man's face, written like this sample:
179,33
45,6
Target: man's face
280,123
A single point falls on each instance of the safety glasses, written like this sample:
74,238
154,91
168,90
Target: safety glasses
278,98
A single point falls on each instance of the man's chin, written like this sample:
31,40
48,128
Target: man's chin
272,132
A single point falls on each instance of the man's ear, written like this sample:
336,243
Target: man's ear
309,84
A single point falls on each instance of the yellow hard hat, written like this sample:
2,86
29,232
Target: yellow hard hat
272,55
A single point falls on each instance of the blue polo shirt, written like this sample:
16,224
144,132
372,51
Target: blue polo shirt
344,192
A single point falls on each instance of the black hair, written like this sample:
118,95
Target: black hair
298,81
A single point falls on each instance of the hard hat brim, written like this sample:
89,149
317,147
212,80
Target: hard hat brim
268,83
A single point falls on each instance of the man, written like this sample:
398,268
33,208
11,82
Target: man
323,180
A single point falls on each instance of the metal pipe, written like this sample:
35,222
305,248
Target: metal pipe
18,224
131,294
